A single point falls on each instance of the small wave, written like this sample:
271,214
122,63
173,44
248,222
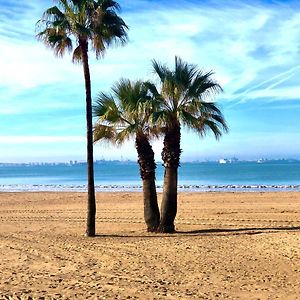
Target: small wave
138,188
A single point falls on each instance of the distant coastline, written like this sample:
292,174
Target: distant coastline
116,161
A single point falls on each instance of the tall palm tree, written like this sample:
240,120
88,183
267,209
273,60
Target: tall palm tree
124,114
184,94
85,23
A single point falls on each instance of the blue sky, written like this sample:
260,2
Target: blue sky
252,47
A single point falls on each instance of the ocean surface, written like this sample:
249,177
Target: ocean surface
124,176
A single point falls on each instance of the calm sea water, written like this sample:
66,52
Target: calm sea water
242,176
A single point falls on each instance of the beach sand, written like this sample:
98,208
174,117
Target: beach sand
228,246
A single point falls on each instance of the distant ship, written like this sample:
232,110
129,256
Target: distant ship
261,160
222,161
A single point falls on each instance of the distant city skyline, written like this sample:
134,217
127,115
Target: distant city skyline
252,47
222,160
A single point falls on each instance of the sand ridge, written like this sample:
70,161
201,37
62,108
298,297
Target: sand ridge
228,246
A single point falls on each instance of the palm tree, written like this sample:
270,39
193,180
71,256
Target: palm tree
183,102
85,23
124,114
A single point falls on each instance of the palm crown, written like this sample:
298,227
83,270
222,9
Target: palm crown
183,96
124,113
83,20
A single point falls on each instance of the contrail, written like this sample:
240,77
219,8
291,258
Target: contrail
279,82
289,72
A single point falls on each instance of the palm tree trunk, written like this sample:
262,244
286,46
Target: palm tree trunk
169,201
171,157
147,171
151,210
91,204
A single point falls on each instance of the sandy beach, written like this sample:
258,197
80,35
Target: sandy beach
228,246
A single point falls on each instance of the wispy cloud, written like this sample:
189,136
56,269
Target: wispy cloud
266,89
21,139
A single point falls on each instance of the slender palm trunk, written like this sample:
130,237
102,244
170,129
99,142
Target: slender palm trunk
169,201
171,156
91,205
147,171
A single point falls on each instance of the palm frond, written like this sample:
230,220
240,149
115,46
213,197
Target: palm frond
109,4
55,12
209,125
161,117
57,40
220,122
106,108
203,86
161,70
107,27
183,98
184,73
95,21
211,107
152,89
126,133
129,108
77,55
188,119
104,132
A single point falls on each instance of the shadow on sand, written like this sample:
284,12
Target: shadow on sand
205,232
247,230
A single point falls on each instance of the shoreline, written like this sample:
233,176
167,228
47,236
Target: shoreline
190,188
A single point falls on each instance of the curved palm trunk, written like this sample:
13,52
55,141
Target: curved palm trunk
147,171
91,205
171,156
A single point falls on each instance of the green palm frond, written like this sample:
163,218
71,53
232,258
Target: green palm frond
109,4
72,21
107,27
209,125
55,12
128,109
126,133
77,55
126,93
183,98
104,132
220,121
161,117
211,107
184,73
57,40
161,70
188,119
106,109
152,89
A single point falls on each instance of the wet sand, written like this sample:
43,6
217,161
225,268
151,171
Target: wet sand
228,246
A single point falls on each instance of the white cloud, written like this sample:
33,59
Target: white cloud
30,65
40,139
265,88
270,95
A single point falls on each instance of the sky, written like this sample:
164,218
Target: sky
251,46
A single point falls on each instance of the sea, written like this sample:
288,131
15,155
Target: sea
266,175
